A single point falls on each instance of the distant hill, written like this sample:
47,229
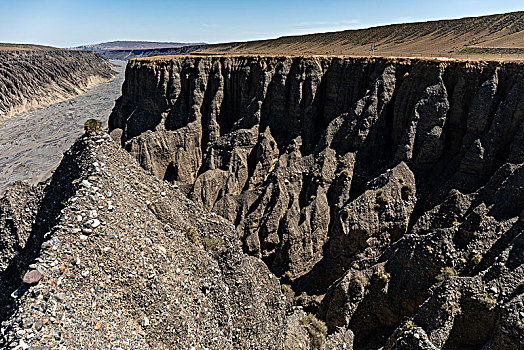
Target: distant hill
25,47
483,34
127,54
133,45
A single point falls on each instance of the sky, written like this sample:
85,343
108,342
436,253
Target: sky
70,23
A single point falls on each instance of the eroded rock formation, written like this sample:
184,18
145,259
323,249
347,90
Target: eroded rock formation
377,189
33,78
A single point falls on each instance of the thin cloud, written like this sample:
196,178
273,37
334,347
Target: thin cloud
327,23
205,26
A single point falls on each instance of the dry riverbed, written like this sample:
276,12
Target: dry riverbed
32,144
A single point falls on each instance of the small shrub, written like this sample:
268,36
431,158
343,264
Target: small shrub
521,283
476,259
347,211
446,273
401,180
410,325
430,249
355,266
92,125
381,198
215,245
312,197
192,234
289,275
487,300
344,173
456,223
285,288
520,325
382,275
406,191
317,330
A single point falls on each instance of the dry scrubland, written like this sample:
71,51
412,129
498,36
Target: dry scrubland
494,36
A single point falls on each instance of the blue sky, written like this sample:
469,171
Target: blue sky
69,23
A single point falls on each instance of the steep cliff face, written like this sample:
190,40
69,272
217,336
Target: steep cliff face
362,183
33,78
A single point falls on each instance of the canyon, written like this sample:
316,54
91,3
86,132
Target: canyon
271,201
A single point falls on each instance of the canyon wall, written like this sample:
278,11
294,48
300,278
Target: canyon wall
375,189
33,78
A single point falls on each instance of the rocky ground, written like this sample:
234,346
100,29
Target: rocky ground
122,259
32,144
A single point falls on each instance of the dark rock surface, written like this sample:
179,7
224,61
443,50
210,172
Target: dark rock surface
378,190
34,78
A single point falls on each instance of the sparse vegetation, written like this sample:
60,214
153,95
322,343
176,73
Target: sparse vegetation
488,300
215,245
192,233
476,259
382,275
92,126
344,173
317,330
406,191
381,199
410,325
446,273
